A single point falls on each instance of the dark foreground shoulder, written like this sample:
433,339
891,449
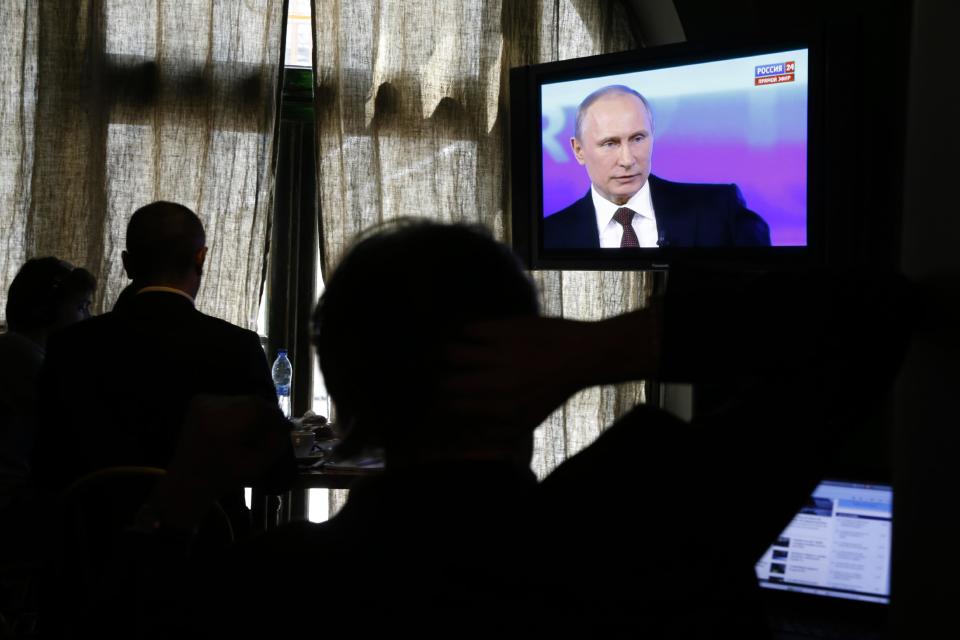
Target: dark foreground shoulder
84,335
219,327
236,353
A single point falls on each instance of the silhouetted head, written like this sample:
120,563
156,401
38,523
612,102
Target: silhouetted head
48,294
391,306
165,246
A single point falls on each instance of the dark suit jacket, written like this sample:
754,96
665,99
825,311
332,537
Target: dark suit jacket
453,557
652,531
114,389
688,215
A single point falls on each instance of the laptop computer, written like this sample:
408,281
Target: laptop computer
828,573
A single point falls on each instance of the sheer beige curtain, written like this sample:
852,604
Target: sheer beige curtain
572,29
107,105
411,110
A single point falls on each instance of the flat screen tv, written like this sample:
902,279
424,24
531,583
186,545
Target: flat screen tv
692,153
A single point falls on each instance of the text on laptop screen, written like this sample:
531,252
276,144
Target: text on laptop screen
838,545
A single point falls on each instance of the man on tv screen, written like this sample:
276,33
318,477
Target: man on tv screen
628,206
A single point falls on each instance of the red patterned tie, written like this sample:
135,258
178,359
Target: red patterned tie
625,217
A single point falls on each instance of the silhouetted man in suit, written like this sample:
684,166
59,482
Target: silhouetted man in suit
432,544
456,536
627,206
114,390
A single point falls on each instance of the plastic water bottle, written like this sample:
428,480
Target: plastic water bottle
282,375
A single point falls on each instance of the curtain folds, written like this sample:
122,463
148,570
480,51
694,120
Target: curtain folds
18,102
412,104
108,105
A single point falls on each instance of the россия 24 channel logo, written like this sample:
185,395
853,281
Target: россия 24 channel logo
774,73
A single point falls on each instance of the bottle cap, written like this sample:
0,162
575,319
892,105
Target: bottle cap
281,352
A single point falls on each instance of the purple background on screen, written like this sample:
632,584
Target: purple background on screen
755,140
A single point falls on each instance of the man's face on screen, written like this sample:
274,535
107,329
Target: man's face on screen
615,146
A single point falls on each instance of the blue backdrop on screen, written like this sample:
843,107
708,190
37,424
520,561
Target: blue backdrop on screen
742,121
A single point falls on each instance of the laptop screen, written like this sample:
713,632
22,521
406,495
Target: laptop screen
838,545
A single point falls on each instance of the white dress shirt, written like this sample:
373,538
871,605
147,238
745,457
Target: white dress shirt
644,223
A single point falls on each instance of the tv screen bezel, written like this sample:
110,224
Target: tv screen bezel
527,170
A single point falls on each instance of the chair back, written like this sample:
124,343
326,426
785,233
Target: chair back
87,576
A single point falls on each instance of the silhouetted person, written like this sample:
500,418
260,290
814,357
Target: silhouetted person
659,522
114,391
431,347
46,295
437,538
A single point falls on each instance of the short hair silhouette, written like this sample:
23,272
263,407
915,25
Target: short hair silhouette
395,300
39,287
162,240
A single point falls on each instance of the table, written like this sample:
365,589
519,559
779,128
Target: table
270,511
333,476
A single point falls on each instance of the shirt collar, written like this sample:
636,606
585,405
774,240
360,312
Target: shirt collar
167,290
641,203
